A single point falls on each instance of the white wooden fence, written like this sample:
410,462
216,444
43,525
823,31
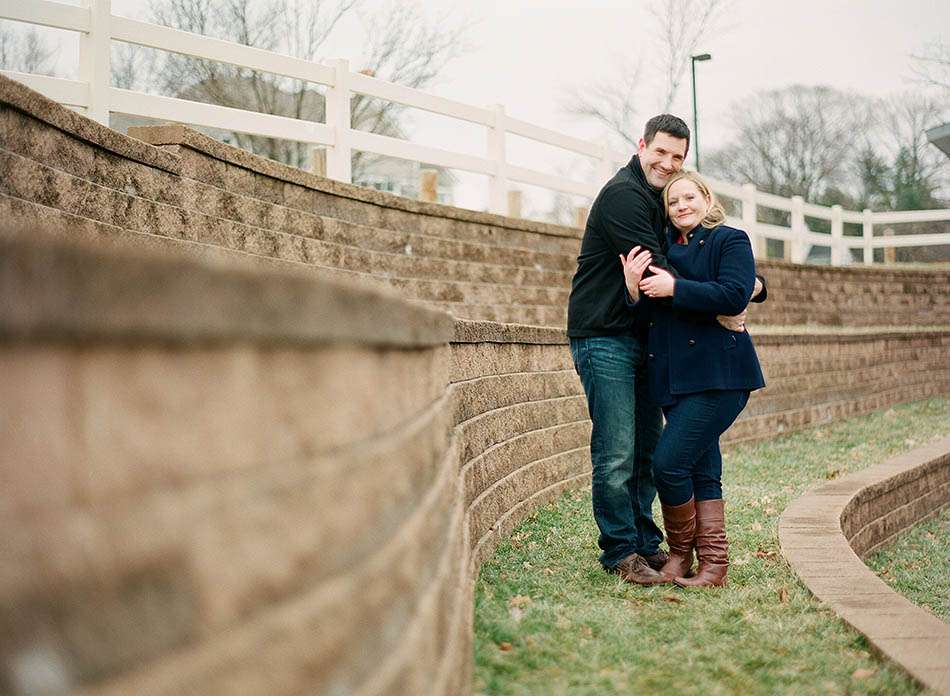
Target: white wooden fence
93,92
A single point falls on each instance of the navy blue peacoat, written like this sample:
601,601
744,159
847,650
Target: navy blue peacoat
686,353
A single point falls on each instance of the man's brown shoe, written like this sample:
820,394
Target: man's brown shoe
657,560
634,568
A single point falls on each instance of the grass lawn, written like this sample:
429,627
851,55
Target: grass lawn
917,564
549,621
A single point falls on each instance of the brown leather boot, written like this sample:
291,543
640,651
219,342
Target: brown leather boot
711,546
679,521
635,569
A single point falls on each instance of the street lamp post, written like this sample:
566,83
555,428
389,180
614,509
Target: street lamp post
693,61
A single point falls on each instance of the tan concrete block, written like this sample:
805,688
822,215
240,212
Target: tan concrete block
39,448
481,432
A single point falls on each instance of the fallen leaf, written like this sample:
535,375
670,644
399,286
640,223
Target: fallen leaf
672,599
755,527
504,647
863,673
783,595
527,566
550,571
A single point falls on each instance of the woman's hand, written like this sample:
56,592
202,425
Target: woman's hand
660,284
634,264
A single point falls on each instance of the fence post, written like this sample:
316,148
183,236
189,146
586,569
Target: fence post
890,253
497,153
428,185
867,232
95,59
580,216
605,165
318,161
838,249
799,247
749,221
514,204
339,156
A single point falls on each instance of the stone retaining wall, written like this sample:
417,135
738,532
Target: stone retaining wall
825,533
189,189
219,480
236,460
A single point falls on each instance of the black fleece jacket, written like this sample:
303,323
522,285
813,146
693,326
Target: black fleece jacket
627,212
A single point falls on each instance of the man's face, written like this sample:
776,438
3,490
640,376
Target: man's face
662,158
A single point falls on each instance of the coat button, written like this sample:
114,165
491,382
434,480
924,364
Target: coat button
701,242
692,342
652,324
651,356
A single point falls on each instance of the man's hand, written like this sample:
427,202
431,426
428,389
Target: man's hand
634,264
660,284
757,287
735,323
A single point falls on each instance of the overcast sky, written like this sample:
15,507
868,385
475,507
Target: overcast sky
525,53
528,50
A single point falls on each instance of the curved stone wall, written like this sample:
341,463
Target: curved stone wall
825,533
192,189
251,435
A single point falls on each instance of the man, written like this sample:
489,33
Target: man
608,353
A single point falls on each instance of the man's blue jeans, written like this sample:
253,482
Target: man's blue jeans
626,428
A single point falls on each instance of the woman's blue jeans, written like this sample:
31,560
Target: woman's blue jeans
626,428
687,460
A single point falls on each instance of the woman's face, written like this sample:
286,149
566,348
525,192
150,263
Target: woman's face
688,206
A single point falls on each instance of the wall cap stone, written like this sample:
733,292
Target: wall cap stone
19,96
813,542
178,134
468,331
775,335
70,290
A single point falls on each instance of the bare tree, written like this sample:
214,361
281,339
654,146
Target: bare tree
793,141
682,25
897,168
402,46
679,26
610,102
26,51
932,65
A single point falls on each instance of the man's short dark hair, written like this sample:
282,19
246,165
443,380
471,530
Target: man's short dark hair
666,123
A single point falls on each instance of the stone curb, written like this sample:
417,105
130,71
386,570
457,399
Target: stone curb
812,540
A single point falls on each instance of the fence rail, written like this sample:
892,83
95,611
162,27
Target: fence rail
98,28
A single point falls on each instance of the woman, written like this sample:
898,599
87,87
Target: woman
699,372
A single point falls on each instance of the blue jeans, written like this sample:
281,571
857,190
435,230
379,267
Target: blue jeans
626,428
687,460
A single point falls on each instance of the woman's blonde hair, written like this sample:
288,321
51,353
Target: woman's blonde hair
715,216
